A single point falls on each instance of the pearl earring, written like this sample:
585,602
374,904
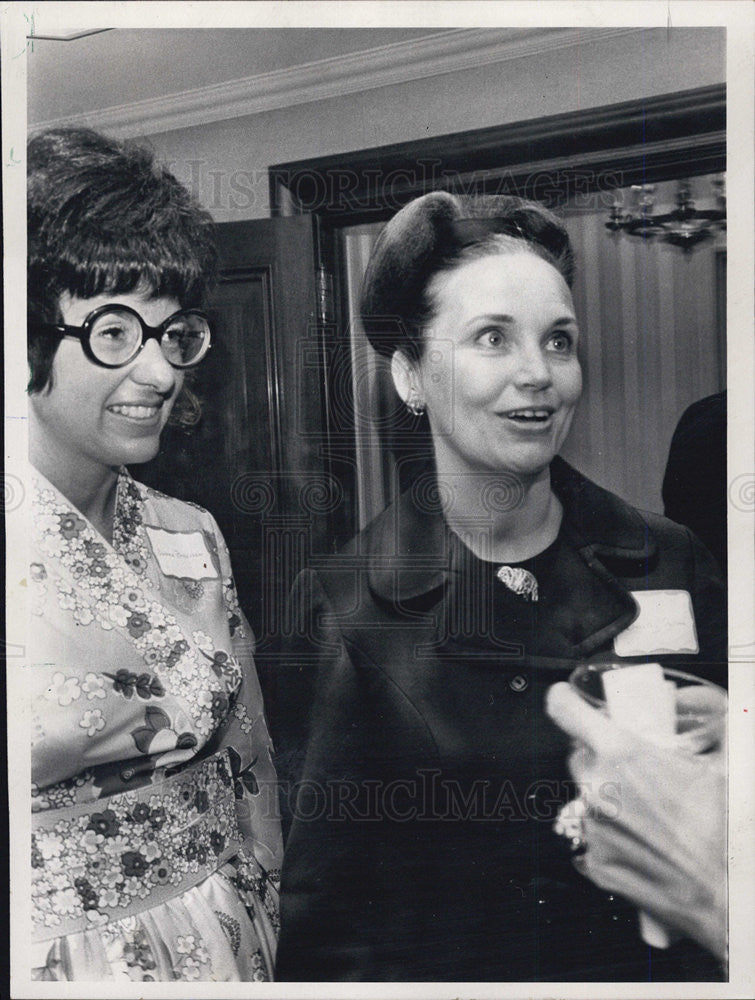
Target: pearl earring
414,404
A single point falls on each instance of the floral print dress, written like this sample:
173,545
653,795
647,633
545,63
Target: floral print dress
155,834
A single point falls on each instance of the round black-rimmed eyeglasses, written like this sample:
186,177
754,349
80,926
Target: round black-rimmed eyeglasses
113,335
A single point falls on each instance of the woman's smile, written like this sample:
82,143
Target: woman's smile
140,413
530,419
135,411
109,417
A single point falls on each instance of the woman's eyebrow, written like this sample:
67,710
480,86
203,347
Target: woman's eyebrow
504,318
564,319
493,318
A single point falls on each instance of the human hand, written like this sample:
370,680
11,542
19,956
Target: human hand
661,840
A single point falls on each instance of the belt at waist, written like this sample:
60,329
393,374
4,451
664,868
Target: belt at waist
115,857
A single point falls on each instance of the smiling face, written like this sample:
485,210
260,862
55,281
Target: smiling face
499,372
92,417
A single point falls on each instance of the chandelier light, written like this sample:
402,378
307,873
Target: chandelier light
684,226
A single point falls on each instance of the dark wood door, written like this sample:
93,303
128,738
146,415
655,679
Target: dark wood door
255,458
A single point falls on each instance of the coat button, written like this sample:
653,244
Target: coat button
518,683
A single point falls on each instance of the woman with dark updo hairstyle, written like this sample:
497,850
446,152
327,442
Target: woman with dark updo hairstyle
155,842
423,780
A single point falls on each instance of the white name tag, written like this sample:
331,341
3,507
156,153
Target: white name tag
665,624
182,554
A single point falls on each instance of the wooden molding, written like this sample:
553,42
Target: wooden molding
599,149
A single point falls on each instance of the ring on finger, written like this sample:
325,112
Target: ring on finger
570,823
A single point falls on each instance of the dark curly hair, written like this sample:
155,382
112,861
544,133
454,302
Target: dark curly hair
434,234
104,218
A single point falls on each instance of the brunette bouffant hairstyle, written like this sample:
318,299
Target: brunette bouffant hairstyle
438,232
103,217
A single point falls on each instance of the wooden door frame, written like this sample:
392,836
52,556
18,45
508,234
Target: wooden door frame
659,138
230,276
589,153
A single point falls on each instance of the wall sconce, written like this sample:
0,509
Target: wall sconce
684,226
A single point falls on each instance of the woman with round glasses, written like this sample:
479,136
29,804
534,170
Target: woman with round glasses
155,842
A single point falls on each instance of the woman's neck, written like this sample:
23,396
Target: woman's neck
501,517
90,486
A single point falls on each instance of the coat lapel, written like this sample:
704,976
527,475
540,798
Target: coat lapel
411,564
408,554
602,538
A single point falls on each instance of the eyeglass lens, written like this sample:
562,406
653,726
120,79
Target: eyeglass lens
115,337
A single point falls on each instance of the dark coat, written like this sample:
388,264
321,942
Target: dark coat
695,481
420,846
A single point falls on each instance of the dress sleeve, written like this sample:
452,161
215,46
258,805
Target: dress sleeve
246,733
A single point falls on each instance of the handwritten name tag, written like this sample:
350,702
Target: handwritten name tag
665,624
182,554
